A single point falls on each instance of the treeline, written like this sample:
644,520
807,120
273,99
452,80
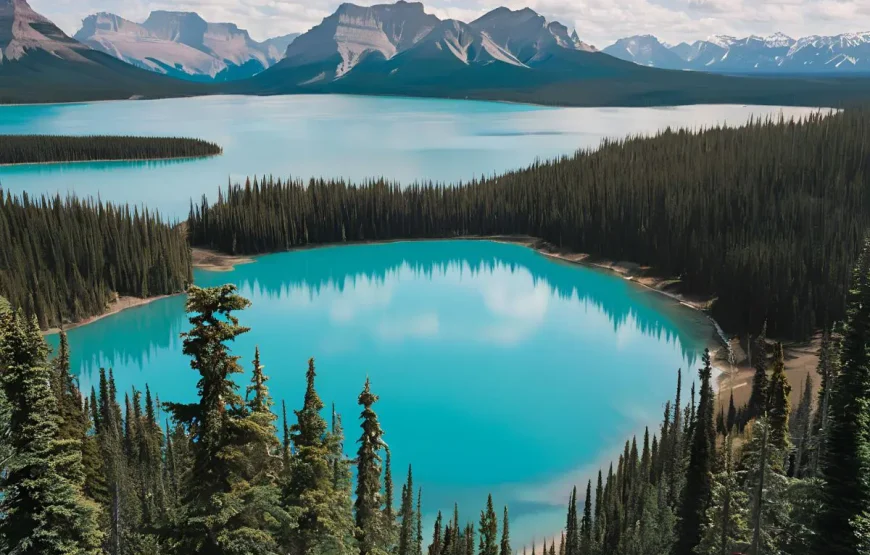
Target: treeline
767,478
86,474
63,260
34,149
767,217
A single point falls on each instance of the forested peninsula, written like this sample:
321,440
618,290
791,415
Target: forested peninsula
768,217
43,149
65,259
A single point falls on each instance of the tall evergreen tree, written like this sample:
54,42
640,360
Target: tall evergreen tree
505,545
407,529
43,505
371,528
697,491
759,396
779,407
846,466
489,543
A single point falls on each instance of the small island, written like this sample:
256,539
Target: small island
45,149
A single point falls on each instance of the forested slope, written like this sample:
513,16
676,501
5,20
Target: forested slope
63,259
767,217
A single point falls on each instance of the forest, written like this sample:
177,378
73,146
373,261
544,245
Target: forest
767,218
40,149
65,259
84,474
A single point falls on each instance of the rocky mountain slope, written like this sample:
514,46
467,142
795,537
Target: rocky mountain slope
182,44
40,63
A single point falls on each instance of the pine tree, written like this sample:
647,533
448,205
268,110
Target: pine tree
586,523
45,510
778,402
727,528
846,465
322,525
488,530
696,495
435,546
759,396
418,543
505,545
389,504
731,420
572,536
371,528
406,531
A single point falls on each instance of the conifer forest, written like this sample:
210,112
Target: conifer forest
42,149
697,205
770,219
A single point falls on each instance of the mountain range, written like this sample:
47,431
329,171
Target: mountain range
387,49
40,63
774,54
183,44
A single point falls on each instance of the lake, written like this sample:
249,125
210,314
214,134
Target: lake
327,136
499,370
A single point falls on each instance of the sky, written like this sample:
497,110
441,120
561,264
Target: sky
599,22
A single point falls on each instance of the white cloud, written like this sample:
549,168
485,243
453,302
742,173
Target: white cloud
597,21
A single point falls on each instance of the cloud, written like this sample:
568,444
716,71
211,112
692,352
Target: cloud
597,21
421,326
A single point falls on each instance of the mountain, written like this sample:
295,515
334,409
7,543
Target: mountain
183,45
645,50
400,49
774,54
39,63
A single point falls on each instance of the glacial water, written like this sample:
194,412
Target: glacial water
499,370
327,136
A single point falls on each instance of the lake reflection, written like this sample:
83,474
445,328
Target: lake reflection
496,366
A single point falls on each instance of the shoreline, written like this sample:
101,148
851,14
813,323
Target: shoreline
109,160
120,304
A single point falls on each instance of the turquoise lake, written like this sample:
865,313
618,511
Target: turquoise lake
500,371
327,136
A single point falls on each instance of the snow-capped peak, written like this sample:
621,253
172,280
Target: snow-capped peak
725,41
778,40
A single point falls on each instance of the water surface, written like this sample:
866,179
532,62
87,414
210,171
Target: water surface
499,370
327,136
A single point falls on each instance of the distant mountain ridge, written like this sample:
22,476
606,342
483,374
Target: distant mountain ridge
398,36
778,53
183,45
40,63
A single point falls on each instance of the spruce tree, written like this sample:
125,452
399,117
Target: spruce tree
726,530
696,494
586,523
505,545
371,528
846,465
45,510
418,543
758,398
406,511
489,543
435,546
322,525
779,390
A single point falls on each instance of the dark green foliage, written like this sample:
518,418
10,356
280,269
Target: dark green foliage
697,491
45,511
846,464
505,544
407,529
758,355
778,402
489,542
371,528
693,204
38,149
63,260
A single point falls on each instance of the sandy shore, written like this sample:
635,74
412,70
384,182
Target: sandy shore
116,306
215,261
